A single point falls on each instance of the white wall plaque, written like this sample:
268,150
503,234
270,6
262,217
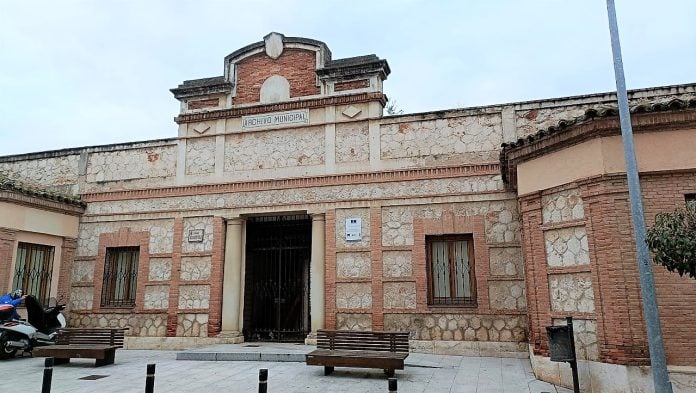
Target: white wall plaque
353,229
275,119
196,235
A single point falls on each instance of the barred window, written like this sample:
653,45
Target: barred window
690,199
120,277
450,261
33,269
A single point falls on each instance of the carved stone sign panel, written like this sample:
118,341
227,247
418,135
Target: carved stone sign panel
275,119
196,235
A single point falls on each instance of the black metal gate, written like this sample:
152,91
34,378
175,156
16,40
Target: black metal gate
276,298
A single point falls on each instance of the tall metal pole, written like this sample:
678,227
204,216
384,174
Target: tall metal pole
647,283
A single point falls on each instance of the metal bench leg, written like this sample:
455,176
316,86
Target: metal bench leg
328,370
389,372
61,361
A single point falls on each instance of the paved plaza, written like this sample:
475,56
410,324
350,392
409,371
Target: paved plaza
423,373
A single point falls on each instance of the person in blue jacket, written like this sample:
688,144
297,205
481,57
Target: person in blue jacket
14,298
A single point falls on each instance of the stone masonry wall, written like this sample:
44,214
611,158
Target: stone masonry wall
460,327
274,149
352,143
142,163
565,269
471,138
58,174
180,279
200,156
140,325
356,192
382,285
161,235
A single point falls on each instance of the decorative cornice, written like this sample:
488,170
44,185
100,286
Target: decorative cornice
283,106
292,183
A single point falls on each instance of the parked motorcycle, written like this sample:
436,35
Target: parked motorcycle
41,327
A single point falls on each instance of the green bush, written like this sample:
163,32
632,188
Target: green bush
672,240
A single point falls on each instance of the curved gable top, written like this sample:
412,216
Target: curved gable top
270,45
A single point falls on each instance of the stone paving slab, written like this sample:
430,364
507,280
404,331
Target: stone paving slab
425,373
246,352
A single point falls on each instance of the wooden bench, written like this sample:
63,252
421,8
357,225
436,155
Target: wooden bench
89,343
364,349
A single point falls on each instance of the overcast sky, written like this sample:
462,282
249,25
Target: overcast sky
79,73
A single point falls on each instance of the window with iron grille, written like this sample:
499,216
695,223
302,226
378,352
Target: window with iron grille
120,277
33,268
690,199
450,264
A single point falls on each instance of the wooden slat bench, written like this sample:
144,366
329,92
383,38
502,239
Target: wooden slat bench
364,349
89,343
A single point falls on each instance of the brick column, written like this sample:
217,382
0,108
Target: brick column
536,278
217,260
377,269
330,272
620,323
64,276
175,278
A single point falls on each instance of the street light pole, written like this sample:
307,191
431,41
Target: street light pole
647,283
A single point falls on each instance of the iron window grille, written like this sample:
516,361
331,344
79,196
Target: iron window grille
120,277
450,265
690,199
33,270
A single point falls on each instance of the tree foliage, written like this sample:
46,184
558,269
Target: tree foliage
672,240
392,108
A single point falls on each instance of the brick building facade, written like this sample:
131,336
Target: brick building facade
286,189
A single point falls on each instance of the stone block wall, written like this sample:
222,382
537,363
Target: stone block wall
58,173
560,278
352,142
143,163
179,282
380,280
473,139
200,156
274,149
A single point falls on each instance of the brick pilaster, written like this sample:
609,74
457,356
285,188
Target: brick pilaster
538,302
330,266
377,275
8,239
216,277
176,277
64,276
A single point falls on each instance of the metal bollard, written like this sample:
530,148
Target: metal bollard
150,379
392,385
48,375
263,380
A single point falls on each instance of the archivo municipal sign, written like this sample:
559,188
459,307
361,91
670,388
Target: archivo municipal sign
275,119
